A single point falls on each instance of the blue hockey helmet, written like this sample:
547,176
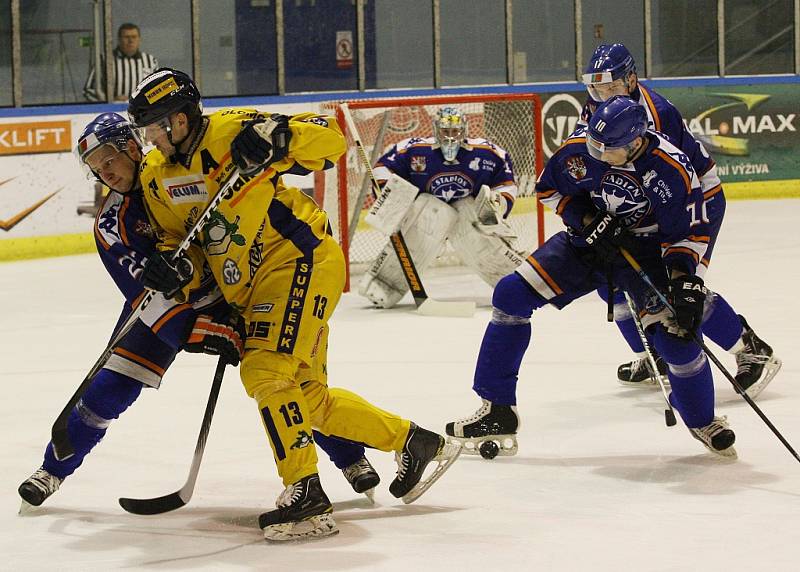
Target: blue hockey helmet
450,130
608,63
105,129
616,124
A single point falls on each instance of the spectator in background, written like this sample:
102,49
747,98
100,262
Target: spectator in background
130,66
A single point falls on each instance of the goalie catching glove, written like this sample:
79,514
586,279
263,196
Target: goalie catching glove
490,209
217,338
162,274
261,142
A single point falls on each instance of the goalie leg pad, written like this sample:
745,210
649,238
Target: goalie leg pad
491,257
425,227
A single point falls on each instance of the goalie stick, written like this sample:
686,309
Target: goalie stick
182,496
699,341
425,305
62,447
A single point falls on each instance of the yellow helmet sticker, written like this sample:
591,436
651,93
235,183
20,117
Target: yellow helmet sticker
164,88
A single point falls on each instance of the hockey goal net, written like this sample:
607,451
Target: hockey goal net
511,121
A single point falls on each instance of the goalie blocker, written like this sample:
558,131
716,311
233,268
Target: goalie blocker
474,227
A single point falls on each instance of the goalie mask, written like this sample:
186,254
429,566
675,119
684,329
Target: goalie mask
614,130
106,130
450,130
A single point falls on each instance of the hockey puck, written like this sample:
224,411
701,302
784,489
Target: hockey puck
489,449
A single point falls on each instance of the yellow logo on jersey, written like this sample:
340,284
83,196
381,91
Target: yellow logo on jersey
165,87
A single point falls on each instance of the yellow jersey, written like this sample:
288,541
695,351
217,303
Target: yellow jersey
262,224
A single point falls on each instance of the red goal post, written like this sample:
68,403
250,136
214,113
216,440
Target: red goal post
511,121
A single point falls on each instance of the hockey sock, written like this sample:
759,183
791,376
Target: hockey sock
342,452
109,395
506,338
690,378
721,323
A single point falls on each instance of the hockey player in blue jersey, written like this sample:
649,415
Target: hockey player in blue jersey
615,184
459,189
110,151
612,71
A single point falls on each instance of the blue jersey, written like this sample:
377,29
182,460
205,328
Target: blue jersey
664,117
658,196
478,162
124,240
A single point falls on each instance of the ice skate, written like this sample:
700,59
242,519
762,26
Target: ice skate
492,422
363,477
303,513
636,373
37,488
756,363
421,447
717,437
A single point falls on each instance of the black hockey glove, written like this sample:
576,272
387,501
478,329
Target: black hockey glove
687,294
217,338
604,234
261,142
162,275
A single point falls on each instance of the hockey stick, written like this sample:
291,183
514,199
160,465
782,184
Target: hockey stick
62,447
646,279
425,305
669,413
182,496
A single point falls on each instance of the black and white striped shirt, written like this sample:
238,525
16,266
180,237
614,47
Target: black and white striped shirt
128,71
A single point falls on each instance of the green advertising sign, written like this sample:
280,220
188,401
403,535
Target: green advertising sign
750,130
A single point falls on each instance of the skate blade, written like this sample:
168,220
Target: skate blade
310,529
472,445
771,369
728,454
444,460
27,509
649,383
370,494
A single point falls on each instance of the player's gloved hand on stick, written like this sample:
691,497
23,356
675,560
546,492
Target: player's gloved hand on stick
687,294
162,275
604,234
261,142
224,339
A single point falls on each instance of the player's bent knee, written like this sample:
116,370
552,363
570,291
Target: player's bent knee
109,395
265,372
674,349
513,297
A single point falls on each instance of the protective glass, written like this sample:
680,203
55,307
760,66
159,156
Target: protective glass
157,131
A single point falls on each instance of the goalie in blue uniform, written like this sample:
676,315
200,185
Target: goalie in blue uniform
445,188
111,153
615,184
612,71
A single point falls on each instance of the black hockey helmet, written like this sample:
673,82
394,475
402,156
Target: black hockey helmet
162,93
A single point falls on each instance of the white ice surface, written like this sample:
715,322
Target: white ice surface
599,482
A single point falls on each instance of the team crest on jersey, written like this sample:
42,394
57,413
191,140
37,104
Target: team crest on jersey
143,228
576,167
418,164
621,195
187,189
450,186
303,440
219,233
475,164
230,272
648,177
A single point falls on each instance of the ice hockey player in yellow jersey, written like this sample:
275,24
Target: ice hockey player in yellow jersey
270,249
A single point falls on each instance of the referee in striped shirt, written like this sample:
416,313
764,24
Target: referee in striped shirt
130,66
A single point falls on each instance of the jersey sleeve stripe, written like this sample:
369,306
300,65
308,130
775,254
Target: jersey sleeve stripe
168,316
651,106
562,204
711,192
680,168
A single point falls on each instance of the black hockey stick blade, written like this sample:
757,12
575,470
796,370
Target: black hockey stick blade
158,505
179,498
